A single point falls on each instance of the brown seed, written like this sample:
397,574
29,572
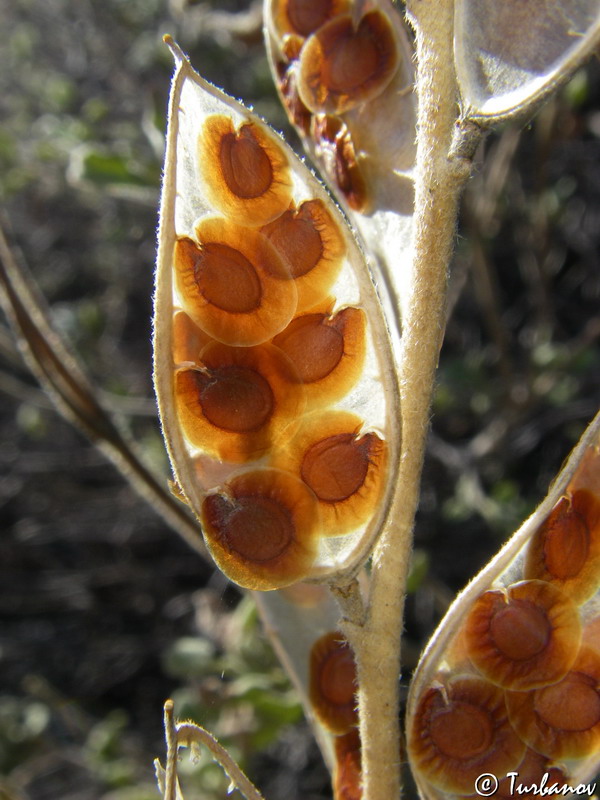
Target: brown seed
336,467
327,352
236,402
314,346
523,637
262,529
336,150
245,165
562,720
236,399
461,730
311,246
233,283
565,550
332,682
245,170
347,777
343,466
303,17
343,65
226,279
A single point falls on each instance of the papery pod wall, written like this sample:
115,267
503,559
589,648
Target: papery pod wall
510,680
511,55
344,72
274,368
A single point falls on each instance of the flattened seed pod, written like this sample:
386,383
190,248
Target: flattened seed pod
332,684
265,310
525,630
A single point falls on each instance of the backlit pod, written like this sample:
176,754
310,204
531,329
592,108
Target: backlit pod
344,73
511,679
266,313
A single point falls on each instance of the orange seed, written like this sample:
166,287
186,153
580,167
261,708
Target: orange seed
246,171
311,246
261,529
233,284
343,64
562,720
523,637
326,351
332,682
461,730
565,550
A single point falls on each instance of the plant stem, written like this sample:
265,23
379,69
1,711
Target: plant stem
438,183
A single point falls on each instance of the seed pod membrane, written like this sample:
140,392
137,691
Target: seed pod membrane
266,311
525,630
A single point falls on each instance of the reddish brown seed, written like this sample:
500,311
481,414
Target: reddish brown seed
523,637
311,246
261,529
233,283
314,346
287,84
562,720
461,730
343,64
346,777
344,466
530,773
245,170
336,150
332,682
327,352
236,402
303,17
245,165
565,550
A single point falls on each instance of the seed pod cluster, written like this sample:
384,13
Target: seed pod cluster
517,686
335,63
272,354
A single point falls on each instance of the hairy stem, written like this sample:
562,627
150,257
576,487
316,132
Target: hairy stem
438,183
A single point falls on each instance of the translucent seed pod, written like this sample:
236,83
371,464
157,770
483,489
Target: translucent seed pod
265,311
332,684
346,80
528,629
509,56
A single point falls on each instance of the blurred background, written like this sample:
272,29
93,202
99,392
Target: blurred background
105,612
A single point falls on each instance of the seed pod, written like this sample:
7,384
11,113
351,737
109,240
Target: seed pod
265,311
332,684
345,78
533,641
511,55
